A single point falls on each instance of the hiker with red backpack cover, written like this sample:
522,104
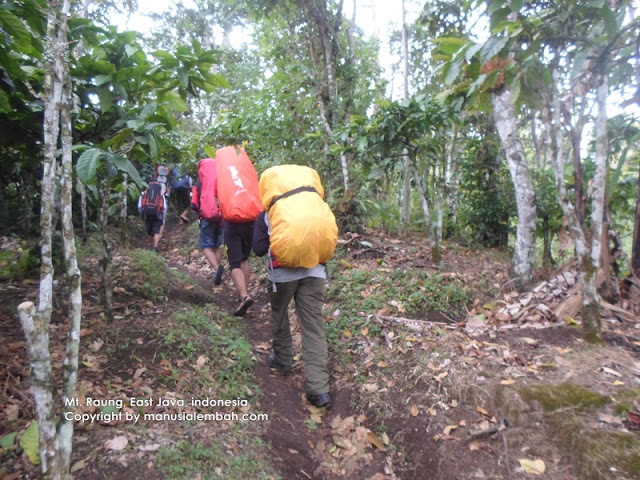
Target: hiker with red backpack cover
152,207
204,201
240,205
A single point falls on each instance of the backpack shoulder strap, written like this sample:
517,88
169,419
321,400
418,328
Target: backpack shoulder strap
293,192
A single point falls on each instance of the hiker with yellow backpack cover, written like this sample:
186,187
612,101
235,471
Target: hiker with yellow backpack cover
298,233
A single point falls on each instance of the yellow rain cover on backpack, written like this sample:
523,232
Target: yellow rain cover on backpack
304,232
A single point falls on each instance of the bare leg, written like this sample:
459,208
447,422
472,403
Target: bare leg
214,256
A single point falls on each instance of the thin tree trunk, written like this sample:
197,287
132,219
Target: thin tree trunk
54,450
105,261
505,119
588,269
70,377
406,187
436,254
635,246
591,318
36,330
452,178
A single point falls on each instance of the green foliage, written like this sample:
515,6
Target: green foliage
151,274
30,443
222,339
211,461
554,397
487,200
18,265
411,291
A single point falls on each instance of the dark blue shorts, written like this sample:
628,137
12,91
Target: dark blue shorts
210,234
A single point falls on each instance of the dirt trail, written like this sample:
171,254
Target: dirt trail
302,453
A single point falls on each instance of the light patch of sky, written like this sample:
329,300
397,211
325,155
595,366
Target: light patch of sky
376,18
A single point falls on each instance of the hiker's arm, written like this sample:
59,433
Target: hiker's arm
260,244
195,195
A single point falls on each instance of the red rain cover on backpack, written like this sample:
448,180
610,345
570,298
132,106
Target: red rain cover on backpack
208,203
237,185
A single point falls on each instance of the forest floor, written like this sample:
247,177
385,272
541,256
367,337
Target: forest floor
416,392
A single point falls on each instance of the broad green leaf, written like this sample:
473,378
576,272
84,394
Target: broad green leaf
209,150
153,146
578,62
88,164
175,101
492,47
131,50
453,72
166,58
106,99
5,106
102,79
7,441
610,22
30,443
471,51
516,5
14,27
450,45
217,80
119,139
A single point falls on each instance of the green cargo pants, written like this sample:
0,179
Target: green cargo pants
308,294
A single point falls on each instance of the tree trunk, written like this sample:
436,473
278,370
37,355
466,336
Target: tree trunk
105,261
36,330
436,254
452,178
505,119
635,246
588,269
54,447
74,278
406,187
591,319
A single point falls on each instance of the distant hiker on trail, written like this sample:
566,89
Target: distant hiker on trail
204,201
152,207
299,233
181,193
240,205
162,176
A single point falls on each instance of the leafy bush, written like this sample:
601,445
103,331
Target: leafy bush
18,265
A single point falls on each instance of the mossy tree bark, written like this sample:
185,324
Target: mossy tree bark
55,436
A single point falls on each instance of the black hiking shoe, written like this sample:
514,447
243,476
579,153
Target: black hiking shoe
320,400
217,279
245,303
271,361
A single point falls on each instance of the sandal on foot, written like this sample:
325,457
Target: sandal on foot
244,306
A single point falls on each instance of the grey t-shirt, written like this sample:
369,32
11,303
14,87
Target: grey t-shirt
286,274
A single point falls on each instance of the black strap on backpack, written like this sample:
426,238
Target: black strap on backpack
293,192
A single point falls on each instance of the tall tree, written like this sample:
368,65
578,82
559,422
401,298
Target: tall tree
55,433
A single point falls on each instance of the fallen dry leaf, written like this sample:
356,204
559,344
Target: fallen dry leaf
482,411
534,467
414,410
375,440
117,443
449,428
